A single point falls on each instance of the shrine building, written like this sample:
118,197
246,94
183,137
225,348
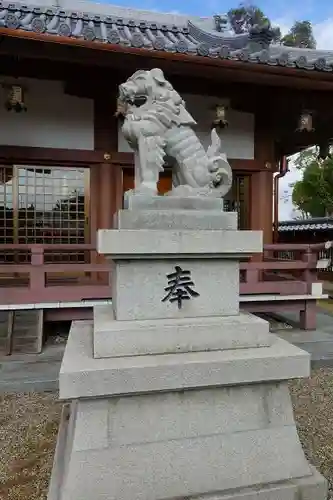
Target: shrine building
64,161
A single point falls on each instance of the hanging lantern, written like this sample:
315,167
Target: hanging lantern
305,122
15,99
220,119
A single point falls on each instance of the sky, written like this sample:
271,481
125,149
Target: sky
282,13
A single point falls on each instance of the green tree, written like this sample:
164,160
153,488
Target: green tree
313,194
245,16
300,35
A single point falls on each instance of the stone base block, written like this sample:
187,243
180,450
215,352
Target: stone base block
140,289
215,442
136,201
136,244
132,338
197,220
309,488
82,375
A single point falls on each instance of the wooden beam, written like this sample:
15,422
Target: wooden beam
251,165
46,65
187,64
74,74
126,160
65,157
50,156
56,62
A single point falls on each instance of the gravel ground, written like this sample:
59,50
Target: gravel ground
28,430
313,409
29,422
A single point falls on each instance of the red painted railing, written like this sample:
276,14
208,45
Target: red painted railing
285,269
38,280
28,275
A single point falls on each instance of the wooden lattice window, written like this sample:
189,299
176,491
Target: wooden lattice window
45,205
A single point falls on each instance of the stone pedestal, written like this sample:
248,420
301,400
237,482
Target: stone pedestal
174,392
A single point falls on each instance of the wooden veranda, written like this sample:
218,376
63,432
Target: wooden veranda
50,277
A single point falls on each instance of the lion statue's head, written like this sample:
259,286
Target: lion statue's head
147,84
150,88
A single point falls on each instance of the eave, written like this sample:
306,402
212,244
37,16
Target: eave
256,72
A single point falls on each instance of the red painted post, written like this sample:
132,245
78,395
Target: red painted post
252,275
308,316
37,274
309,274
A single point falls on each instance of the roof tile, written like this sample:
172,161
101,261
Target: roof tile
254,47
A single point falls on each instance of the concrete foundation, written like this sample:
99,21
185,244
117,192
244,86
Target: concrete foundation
179,401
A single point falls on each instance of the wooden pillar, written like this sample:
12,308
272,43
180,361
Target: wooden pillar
261,203
106,140
261,198
94,188
105,196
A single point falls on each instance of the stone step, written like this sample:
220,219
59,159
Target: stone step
36,385
318,350
26,377
26,371
6,328
27,334
31,372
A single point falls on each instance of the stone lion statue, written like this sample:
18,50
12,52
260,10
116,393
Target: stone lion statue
156,124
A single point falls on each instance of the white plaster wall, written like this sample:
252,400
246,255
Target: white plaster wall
53,119
237,138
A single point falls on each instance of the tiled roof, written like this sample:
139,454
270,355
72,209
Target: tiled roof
319,224
187,37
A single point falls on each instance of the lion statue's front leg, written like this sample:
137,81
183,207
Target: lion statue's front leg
149,159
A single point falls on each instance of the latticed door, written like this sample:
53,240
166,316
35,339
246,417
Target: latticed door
44,205
237,200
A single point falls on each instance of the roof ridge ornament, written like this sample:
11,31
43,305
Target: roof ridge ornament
261,34
221,22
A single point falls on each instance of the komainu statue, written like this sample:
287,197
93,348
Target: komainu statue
156,124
